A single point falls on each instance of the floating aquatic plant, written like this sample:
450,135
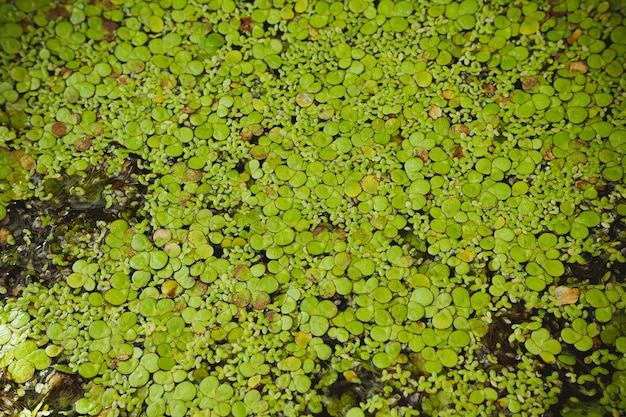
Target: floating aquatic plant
309,207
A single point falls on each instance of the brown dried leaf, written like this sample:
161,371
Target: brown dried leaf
548,155
574,36
246,134
448,94
423,155
28,162
582,184
162,234
435,112
246,25
109,25
82,144
192,176
169,288
566,295
5,236
461,129
529,83
503,100
579,66
59,129
490,89
65,72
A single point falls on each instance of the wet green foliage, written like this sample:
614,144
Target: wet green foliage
42,237
360,208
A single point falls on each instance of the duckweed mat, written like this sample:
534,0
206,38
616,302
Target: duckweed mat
351,208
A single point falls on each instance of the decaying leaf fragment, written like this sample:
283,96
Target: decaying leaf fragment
566,295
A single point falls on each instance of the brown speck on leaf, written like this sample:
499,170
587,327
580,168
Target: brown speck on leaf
340,234
246,134
201,287
168,82
597,342
57,12
185,198
313,32
319,230
271,191
27,162
448,94
26,23
188,110
246,25
82,144
457,152
59,129
434,112
52,14
574,36
162,233
180,305
429,56
192,176
65,72
529,84
423,155
239,270
500,406
489,89
107,5
582,184
109,25
122,357
122,79
460,129
168,288
548,155
503,100
582,143
238,313
578,66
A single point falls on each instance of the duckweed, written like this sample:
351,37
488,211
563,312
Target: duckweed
312,208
